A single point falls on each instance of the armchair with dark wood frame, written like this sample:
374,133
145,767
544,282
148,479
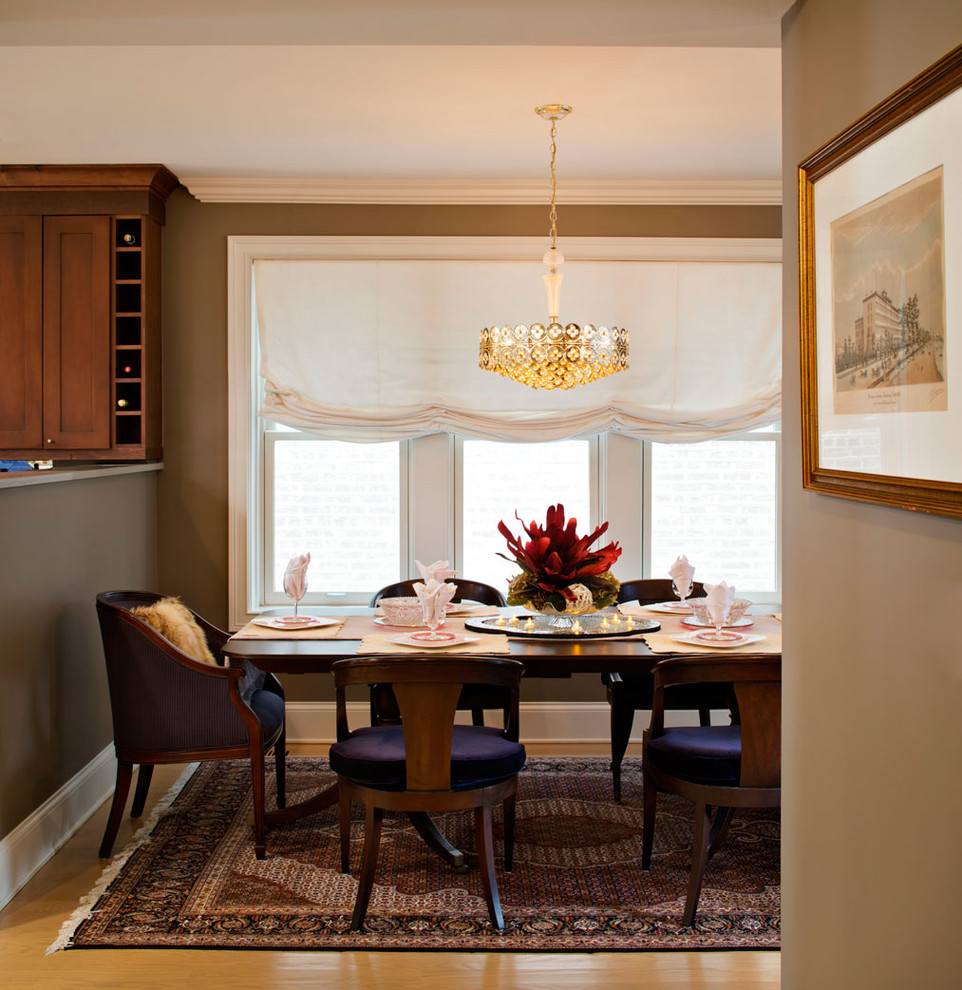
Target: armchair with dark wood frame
170,708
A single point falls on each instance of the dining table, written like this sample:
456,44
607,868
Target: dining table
645,636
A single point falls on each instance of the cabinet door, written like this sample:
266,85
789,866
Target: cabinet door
21,347
76,333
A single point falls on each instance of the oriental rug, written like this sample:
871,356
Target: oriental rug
190,879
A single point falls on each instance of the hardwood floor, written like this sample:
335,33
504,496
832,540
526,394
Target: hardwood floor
33,918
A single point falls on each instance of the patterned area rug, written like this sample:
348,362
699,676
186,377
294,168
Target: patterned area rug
191,880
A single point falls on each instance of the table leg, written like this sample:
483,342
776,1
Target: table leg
421,821
428,831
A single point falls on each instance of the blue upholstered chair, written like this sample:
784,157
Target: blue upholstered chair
427,763
632,691
721,767
168,707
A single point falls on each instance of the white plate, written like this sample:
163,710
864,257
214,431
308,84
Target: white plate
286,622
383,620
706,638
692,621
460,608
673,608
418,639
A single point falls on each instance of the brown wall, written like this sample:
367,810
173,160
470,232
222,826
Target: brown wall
873,672
193,489
61,544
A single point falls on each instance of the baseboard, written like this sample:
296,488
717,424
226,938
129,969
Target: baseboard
544,723
25,850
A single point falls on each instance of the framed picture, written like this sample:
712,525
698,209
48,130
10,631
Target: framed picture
880,269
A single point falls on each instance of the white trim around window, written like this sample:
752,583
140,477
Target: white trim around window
613,454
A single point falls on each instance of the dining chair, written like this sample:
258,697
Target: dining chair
475,698
720,767
427,763
631,692
468,591
170,707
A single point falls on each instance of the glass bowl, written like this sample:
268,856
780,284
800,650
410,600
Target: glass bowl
401,611
699,608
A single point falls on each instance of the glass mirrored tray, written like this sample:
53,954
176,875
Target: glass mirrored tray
591,626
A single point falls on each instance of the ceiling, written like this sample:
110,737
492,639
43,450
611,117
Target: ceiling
381,100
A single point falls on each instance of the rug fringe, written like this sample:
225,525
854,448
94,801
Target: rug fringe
141,837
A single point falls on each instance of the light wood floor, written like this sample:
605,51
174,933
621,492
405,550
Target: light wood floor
32,920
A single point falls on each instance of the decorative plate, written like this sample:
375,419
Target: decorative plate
695,622
422,640
708,639
289,622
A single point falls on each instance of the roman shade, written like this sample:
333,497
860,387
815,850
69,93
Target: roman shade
374,350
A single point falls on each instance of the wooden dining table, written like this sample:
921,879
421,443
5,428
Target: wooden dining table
548,657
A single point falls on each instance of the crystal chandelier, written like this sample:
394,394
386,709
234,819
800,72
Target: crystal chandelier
553,356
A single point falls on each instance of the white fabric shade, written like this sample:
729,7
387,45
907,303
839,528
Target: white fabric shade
371,350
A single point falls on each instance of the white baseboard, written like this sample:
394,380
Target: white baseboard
542,722
24,850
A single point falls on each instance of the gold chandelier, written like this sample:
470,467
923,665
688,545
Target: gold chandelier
553,356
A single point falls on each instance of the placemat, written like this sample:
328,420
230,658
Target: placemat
250,631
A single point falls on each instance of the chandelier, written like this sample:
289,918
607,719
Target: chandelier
553,356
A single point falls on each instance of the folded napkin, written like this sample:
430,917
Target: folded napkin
295,577
681,573
720,598
433,596
439,570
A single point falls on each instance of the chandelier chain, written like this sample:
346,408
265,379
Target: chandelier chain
553,214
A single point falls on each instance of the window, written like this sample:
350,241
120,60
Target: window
342,503
717,503
366,511
499,479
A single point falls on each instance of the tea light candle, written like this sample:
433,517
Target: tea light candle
529,623
500,620
576,628
629,623
604,622
616,620
512,620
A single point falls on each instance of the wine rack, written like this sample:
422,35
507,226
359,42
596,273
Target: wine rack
136,359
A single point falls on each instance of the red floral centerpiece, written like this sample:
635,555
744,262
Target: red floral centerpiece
559,571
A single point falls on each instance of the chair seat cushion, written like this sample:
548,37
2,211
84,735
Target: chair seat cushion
269,709
374,756
701,754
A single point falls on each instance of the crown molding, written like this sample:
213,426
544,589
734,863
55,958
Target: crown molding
615,192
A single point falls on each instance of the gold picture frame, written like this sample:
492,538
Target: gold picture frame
880,228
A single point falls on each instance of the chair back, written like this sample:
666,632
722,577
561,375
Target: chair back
474,591
756,680
160,698
649,591
427,688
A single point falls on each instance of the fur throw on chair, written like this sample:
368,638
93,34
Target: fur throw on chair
173,620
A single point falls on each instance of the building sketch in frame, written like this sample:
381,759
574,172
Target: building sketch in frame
888,302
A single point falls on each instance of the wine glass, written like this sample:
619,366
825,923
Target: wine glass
682,588
432,611
719,611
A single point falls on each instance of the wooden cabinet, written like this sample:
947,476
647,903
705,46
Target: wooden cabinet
80,311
